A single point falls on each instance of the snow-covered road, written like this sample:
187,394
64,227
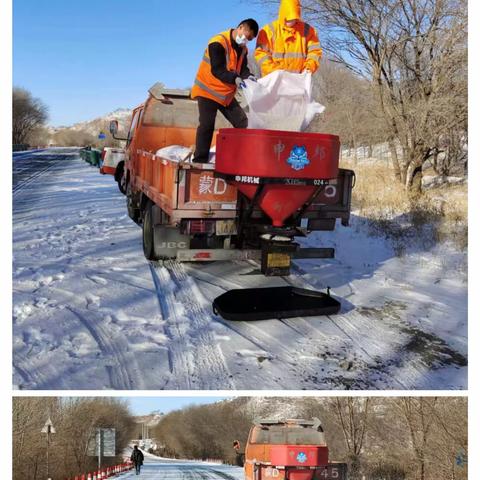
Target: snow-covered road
91,313
177,470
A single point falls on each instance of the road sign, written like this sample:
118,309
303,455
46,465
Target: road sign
48,427
102,442
102,136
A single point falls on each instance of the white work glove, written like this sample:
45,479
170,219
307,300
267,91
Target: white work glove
240,83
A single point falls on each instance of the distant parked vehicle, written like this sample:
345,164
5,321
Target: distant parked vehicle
113,161
91,156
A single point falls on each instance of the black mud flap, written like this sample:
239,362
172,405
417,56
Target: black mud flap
273,302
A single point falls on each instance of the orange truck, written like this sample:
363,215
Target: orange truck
290,450
265,189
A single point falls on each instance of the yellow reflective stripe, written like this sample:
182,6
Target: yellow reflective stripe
314,56
226,49
263,59
209,90
288,55
314,46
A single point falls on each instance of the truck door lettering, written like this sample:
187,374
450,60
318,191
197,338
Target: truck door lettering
205,184
220,186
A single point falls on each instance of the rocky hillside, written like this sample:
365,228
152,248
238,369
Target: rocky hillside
86,133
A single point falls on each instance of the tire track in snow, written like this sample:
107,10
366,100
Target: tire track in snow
27,369
196,360
301,326
268,343
112,344
21,185
120,376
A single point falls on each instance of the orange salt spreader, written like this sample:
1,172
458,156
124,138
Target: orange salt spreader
290,450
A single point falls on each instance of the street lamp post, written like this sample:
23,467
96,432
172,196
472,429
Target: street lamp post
49,430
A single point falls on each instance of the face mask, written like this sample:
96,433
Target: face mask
241,40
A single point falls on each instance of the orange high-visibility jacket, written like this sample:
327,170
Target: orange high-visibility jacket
284,48
206,84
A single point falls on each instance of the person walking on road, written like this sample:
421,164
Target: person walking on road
288,43
137,459
222,70
239,456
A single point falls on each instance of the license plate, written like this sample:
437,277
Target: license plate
332,472
278,260
225,227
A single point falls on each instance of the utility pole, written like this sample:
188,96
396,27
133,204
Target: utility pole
100,444
49,430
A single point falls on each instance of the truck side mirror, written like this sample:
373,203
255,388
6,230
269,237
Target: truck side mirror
113,127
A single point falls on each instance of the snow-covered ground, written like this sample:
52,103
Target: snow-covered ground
91,313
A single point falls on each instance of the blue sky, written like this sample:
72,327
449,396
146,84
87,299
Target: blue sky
146,405
85,59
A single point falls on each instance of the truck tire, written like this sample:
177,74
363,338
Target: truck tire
120,177
133,212
148,234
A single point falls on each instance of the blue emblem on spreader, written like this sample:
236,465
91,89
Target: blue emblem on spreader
298,158
301,457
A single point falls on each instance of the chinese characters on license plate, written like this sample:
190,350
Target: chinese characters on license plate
226,227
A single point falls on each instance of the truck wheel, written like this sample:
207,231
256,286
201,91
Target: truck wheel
121,178
148,238
133,212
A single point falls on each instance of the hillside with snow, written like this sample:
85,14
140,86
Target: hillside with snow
92,128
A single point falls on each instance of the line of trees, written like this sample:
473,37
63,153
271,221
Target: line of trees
406,438
75,421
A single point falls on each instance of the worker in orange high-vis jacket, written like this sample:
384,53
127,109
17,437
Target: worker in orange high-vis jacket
222,70
288,43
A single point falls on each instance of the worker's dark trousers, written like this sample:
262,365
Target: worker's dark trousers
138,466
207,113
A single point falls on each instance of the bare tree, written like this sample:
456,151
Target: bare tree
353,416
415,54
29,113
420,419
351,111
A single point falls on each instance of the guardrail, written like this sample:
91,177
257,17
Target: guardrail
107,472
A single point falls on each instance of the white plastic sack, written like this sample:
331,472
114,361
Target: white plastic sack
281,101
175,153
179,153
